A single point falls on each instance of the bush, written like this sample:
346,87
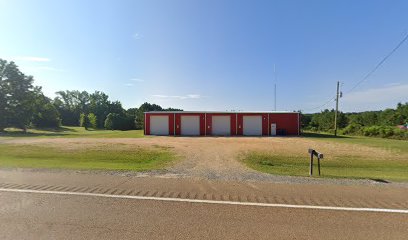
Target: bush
313,129
386,131
93,121
400,133
377,131
352,129
84,121
46,116
371,131
109,121
116,121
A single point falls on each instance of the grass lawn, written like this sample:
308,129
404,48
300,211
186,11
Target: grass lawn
72,132
99,156
337,167
384,143
345,157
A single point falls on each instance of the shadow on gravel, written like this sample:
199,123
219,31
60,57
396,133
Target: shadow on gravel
379,180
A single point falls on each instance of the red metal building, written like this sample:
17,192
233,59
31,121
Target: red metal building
186,123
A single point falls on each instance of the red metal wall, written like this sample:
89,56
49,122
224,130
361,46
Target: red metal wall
202,122
171,122
287,121
240,122
290,122
209,122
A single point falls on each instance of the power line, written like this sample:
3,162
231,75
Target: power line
324,104
380,63
365,78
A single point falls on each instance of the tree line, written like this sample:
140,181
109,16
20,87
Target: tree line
23,105
389,123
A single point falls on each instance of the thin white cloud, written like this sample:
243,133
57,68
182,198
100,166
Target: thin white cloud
392,84
137,36
137,80
378,95
45,68
193,96
129,84
375,98
50,69
188,96
31,59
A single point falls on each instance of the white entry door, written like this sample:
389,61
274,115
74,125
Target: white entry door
252,125
221,125
159,125
273,129
190,125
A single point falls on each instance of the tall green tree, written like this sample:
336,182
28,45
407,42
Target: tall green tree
3,94
100,106
71,104
148,107
145,107
17,95
93,120
84,121
45,114
324,121
115,121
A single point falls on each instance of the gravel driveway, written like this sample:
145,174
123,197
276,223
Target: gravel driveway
216,158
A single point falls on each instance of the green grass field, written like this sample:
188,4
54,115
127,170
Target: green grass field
86,156
337,167
384,143
96,157
390,166
72,132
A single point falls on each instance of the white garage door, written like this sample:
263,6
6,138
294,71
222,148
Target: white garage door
190,125
252,125
159,125
221,125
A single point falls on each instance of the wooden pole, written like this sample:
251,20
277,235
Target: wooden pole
337,109
311,164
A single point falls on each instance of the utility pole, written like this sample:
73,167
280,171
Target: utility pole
337,108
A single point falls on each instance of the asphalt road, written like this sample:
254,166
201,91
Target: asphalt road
70,205
51,216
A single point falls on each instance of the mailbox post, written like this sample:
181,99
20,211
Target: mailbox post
319,156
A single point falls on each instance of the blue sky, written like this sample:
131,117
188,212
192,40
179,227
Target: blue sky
213,54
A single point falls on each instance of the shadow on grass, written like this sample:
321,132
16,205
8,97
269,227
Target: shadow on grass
46,132
60,129
321,135
30,134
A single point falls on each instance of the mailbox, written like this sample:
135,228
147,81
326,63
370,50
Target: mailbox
319,156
